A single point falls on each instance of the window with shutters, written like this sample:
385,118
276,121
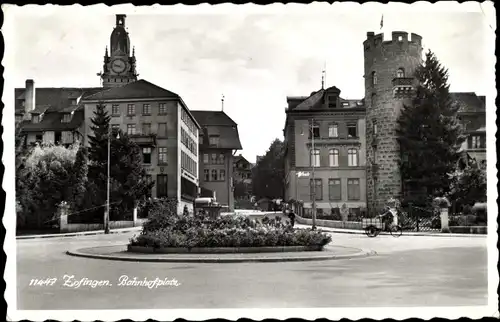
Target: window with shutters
214,175
316,189
334,189
353,192
162,129
146,128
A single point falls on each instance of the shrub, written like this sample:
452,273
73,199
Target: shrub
230,237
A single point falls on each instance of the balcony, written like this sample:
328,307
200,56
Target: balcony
403,87
144,139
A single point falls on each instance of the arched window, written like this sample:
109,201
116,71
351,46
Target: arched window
374,78
352,155
400,73
315,158
334,157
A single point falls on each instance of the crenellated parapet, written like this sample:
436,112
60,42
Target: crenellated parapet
400,42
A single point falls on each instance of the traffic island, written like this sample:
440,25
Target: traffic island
121,253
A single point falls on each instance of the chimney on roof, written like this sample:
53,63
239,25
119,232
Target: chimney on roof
29,99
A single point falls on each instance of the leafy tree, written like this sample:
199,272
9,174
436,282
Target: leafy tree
468,186
429,133
240,189
44,181
269,173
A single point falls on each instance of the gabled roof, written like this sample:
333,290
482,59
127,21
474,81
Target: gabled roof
51,121
138,89
469,102
240,158
220,124
211,118
56,98
312,101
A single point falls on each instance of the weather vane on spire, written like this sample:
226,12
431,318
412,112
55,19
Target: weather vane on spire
222,102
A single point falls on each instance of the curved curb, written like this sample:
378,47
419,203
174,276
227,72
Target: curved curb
360,254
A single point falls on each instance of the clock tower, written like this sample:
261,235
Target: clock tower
119,67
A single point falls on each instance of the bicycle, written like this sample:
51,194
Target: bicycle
373,226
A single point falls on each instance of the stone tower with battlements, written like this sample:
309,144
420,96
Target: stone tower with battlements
389,83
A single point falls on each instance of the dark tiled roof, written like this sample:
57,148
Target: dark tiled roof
40,109
205,118
312,101
218,123
240,158
51,121
138,89
469,102
55,98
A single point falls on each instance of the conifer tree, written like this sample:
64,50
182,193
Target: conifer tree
98,140
429,133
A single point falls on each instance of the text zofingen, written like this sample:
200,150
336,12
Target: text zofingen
124,280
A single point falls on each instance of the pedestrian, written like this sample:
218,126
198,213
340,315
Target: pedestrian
291,215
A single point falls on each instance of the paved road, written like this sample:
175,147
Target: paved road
408,271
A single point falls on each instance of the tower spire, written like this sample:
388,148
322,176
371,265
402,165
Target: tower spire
222,102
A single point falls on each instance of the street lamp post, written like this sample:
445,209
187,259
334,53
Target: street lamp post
106,213
313,164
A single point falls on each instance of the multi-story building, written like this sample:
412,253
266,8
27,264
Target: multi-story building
472,114
242,173
219,140
162,125
51,115
158,120
369,151
326,132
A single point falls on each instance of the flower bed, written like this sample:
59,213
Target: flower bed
165,228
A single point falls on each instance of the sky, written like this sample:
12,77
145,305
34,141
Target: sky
255,56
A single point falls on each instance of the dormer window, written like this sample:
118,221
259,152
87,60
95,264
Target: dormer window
345,104
374,78
400,73
66,118
23,102
73,101
332,101
35,118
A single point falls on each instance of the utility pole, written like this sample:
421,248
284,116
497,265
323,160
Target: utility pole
106,213
313,178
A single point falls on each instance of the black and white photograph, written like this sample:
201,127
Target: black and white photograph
321,160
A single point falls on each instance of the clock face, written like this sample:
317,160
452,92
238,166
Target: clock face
118,66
